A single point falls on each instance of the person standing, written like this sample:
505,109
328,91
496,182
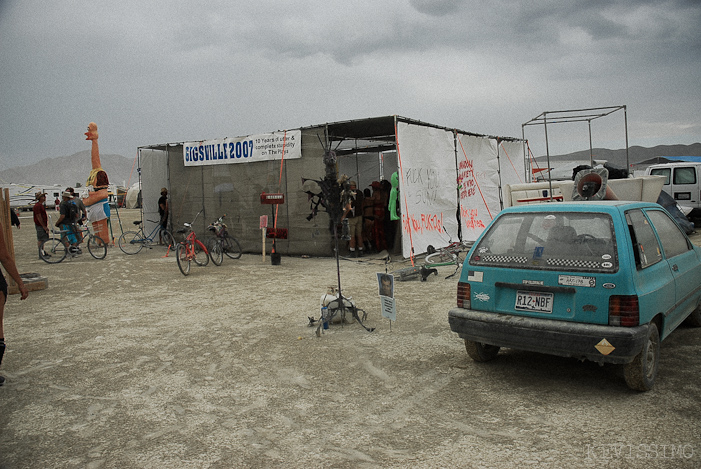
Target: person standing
41,221
354,213
14,219
11,268
379,201
163,213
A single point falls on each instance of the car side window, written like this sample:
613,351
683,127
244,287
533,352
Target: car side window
684,175
647,249
673,240
666,172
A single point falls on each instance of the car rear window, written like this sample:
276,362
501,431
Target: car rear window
571,241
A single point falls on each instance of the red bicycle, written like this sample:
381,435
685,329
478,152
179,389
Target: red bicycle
191,249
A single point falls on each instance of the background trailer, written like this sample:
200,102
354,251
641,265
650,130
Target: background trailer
450,181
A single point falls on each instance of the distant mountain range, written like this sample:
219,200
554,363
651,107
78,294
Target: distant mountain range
74,169
636,155
70,170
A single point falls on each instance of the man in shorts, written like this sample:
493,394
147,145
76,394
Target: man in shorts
41,221
81,206
354,213
66,222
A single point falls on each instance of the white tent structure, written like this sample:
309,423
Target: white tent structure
450,181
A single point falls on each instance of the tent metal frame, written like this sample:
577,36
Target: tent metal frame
576,115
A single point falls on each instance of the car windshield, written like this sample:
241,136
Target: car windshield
571,241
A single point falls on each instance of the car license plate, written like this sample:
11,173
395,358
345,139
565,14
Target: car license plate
534,301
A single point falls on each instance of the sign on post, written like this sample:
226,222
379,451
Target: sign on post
263,229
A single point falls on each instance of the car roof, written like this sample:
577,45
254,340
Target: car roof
581,206
674,164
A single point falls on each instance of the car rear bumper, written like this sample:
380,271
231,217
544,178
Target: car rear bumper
601,344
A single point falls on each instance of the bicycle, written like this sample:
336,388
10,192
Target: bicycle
132,242
191,249
55,250
450,255
222,242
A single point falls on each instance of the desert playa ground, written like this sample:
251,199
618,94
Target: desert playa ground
125,362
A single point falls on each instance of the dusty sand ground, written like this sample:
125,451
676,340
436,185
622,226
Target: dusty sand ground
125,362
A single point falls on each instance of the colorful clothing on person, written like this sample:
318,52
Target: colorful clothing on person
41,221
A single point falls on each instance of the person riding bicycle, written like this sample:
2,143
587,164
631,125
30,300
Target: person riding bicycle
68,213
83,213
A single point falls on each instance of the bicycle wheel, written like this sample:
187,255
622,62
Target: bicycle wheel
183,261
97,247
231,247
168,240
216,252
441,257
53,251
131,242
201,256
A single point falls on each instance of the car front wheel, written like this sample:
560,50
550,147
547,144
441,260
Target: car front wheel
480,352
641,372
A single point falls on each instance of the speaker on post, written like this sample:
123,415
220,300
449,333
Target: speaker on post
592,184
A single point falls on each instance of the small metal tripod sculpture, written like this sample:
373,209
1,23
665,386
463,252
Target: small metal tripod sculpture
334,196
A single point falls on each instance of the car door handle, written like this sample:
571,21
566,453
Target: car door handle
675,268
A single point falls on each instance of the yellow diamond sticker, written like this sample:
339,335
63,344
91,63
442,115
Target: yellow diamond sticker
605,347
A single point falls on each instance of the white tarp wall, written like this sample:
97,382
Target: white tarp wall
428,192
153,168
484,168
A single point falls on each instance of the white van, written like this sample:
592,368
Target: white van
682,182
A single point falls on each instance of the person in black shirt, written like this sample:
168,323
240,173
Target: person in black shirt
163,213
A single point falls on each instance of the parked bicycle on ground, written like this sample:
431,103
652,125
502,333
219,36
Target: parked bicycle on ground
451,255
55,249
131,242
191,249
222,242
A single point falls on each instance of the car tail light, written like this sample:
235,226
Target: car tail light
624,310
463,295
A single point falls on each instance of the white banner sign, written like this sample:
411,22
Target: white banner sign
261,147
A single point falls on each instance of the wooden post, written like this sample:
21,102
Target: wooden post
263,229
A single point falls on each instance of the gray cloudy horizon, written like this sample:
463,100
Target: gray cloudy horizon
174,71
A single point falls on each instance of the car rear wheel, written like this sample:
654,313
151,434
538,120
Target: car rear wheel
480,352
641,372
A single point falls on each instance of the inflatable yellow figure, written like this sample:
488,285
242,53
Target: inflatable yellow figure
96,202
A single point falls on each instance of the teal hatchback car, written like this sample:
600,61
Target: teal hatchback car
605,281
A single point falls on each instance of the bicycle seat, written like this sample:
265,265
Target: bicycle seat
182,230
137,222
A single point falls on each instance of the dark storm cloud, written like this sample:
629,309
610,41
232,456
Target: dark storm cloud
173,70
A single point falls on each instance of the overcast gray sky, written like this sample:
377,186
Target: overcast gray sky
169,71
